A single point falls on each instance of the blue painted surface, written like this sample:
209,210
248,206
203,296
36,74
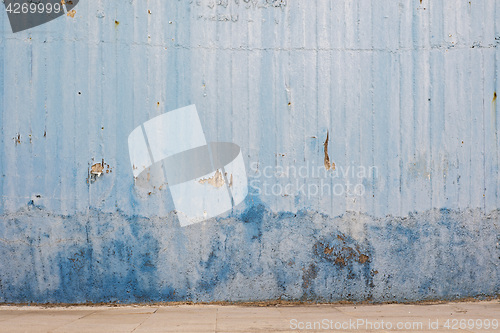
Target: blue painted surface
259,255
402,87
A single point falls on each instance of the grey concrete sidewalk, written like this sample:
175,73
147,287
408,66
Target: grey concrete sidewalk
451,317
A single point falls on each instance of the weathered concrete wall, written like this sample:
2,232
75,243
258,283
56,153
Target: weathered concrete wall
404,90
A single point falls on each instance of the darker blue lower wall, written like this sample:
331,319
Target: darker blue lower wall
257,255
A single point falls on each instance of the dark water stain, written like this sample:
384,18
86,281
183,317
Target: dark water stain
115,257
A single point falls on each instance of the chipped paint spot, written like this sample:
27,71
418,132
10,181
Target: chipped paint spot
71,13
17,139
328,165
216,180
97,169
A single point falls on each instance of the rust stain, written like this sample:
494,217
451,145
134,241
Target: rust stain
328,165
342,254
216,180
71,13
117,23
341,261
363,258
494,97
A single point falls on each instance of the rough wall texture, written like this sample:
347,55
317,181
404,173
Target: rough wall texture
405,91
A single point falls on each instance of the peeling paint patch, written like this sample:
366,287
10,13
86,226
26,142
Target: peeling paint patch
216,180
328,165
98,169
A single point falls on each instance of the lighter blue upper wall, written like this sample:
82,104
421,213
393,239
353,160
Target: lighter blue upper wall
402,86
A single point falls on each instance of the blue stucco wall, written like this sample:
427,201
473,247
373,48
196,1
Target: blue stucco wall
404,90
